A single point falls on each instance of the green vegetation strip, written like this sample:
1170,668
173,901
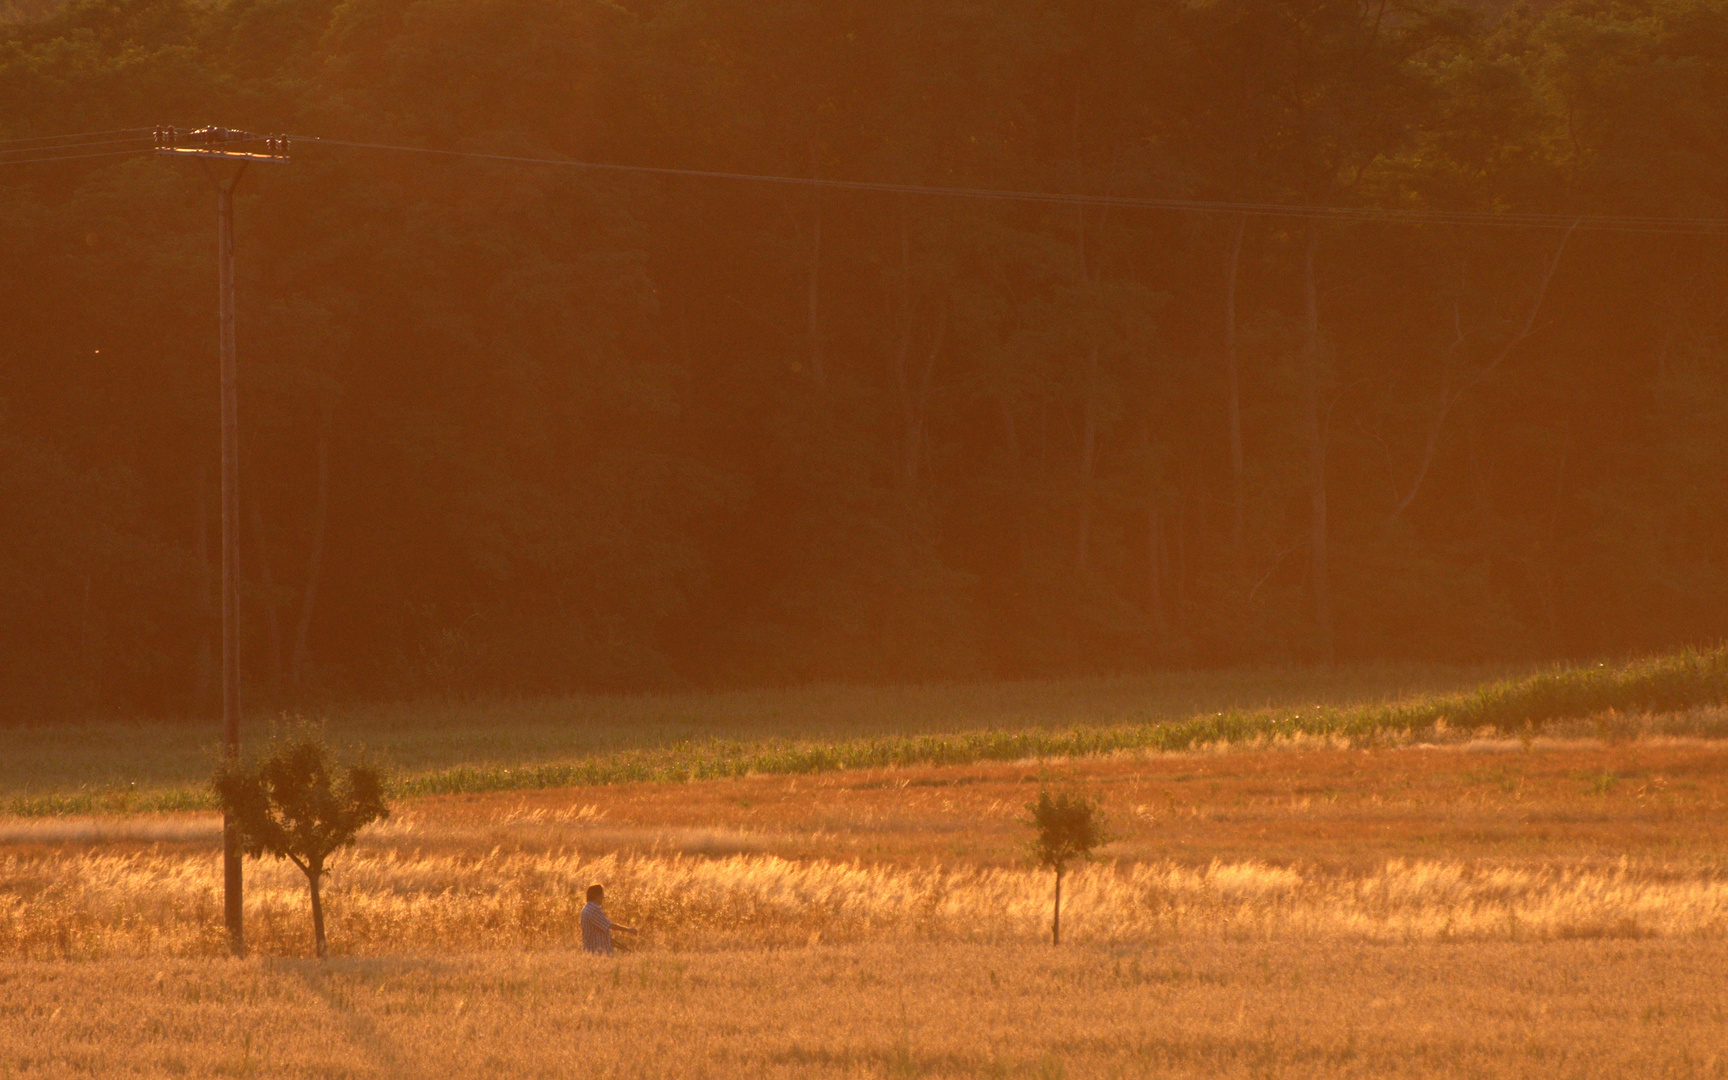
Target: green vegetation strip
1660,685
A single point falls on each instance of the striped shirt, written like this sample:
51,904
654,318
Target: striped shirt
596,930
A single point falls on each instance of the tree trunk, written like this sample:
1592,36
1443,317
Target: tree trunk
914,399
1487,542
87,643
1549,586
818,366
1237,471
204,676
1011,435
903,345
1315,437
1179,594
1154,538
1088,451
919,414
1449,396
1154,563
314,879
272,621
315,563
1056,914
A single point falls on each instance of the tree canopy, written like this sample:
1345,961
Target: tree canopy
516,429
296,802
1067,828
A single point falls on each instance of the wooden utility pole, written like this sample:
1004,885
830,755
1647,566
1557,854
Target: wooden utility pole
232,891
224,154
1233,266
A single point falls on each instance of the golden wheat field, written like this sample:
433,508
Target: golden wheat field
1553,908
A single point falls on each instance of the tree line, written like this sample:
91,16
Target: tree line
514,429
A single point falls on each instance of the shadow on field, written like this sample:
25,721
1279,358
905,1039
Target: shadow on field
336,982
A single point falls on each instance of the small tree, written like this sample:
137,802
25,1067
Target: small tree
1069,827
290,805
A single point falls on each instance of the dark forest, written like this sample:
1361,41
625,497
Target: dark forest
520,429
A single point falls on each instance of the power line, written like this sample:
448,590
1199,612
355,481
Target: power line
47,149
76,146
1650,224
73,157
1600,222
80,135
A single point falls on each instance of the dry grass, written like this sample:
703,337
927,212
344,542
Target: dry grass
1483,909
99,906
1481,840
1558,802
1205,1008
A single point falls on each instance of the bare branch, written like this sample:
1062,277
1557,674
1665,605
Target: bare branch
1450,395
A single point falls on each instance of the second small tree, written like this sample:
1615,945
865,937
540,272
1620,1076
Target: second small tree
295,803
1068,827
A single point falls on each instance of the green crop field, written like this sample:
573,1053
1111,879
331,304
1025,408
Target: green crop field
448,748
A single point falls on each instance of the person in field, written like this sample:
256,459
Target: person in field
596,927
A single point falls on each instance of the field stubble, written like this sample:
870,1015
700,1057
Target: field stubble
1201,1008
1477,841
1488,908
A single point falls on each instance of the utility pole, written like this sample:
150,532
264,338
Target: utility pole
224,155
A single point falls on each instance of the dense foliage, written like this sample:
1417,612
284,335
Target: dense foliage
296,802
1067,828
512,428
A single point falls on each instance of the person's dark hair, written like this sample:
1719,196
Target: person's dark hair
596,893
